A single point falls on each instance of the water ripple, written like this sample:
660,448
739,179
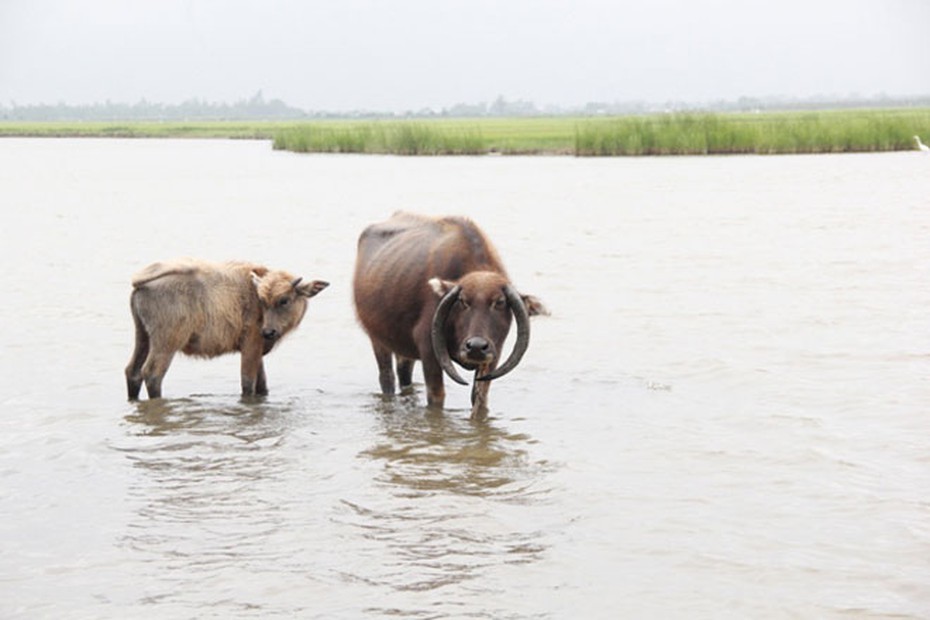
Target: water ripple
470,481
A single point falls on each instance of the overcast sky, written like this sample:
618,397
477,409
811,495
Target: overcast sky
402,55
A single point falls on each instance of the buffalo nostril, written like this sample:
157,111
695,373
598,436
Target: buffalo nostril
477,345
269,334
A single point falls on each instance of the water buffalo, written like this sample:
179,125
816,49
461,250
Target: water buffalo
435,290
208,309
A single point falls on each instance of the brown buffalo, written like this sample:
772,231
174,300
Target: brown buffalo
208,309
435,290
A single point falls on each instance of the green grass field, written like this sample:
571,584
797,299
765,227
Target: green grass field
252,130
524,136
774,133
659,134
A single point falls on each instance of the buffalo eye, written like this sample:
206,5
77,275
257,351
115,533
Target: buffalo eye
282,303
462,303
500,303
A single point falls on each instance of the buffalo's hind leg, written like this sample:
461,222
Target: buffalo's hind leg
385,367
405,374
139,355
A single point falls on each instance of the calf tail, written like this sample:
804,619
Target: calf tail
139,354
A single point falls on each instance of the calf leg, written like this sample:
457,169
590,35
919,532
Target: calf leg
261,384
154,369
252,371
385,368
134,368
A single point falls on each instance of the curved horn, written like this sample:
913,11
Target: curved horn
522,317
438,334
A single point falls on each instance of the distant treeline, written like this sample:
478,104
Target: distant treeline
258,108
255,108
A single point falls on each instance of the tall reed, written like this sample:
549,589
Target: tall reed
702,134
399,138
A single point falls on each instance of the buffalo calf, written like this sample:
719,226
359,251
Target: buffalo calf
208,309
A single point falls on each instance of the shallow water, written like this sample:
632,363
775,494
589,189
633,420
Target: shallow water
725,416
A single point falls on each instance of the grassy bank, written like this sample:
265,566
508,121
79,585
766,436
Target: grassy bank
702,134
660,134
396,138
251,130
523,136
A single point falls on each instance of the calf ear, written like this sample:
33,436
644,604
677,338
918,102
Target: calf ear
309,289
534,306
440,287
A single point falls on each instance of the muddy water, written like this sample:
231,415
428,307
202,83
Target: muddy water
726,415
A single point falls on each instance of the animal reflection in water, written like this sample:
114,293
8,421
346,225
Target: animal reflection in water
435,290
424,450
204,415
212,468
466,477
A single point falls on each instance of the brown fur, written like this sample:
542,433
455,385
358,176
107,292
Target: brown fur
209,309
395,301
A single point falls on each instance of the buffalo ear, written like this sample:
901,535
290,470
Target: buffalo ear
309,289
256,279
441,287
534,307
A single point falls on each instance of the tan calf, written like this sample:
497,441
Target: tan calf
208,309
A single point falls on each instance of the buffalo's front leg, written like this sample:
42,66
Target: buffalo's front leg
479,393
432,370
432,376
